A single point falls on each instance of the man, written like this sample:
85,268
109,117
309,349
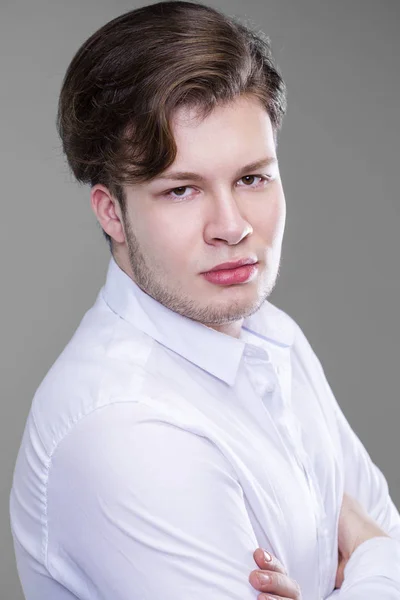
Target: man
188,421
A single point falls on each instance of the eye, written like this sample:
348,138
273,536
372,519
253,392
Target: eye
178,191
249,180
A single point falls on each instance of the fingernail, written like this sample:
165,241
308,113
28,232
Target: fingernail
267,556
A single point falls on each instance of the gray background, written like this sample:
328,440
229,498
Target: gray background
340,166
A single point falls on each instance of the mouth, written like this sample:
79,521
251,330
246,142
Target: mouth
231,276
233,264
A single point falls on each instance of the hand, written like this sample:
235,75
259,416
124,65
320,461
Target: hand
355,527
281,586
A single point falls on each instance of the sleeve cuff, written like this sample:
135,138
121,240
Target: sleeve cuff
377,557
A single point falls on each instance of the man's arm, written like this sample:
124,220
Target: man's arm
139,508
363,478
373,569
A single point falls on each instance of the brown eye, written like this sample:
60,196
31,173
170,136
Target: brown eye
179,193
177,190
247,177
250,181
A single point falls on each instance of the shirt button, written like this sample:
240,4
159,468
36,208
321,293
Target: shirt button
269,387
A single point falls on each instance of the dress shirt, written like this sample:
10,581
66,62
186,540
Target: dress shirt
159,453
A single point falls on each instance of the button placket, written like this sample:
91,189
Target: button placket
290,430
275,391
273,383
293,426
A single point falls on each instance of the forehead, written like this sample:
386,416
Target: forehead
238,132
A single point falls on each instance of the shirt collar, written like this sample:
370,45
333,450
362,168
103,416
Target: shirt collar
211,350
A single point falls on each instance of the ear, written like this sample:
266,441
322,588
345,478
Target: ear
108,212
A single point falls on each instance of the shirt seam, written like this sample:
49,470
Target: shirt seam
71,424
111,402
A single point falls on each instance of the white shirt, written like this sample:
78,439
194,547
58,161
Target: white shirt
158,454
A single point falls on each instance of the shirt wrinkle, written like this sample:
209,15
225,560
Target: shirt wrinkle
99,496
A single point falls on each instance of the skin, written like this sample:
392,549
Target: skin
175,230
355,527
279,585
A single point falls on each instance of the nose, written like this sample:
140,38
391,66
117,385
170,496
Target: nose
225,221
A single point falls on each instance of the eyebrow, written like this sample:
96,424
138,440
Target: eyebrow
253,166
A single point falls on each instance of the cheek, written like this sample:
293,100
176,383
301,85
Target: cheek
272,217
169,237
281,214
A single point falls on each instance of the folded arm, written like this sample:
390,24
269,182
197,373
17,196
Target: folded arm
139,508
373,570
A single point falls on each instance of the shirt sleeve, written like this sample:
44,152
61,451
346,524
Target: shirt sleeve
139,508
373,570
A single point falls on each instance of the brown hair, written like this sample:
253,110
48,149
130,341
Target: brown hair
124,83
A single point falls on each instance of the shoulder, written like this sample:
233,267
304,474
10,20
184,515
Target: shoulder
104,358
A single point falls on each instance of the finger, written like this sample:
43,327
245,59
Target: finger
340,574
272,565
275,583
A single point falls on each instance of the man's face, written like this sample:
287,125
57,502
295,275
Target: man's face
177,229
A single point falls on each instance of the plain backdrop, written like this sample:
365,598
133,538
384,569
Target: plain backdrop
339,158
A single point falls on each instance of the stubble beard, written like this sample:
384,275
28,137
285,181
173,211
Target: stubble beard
152,283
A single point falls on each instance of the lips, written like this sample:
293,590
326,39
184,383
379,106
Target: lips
233,264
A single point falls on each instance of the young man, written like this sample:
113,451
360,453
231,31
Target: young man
188,420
